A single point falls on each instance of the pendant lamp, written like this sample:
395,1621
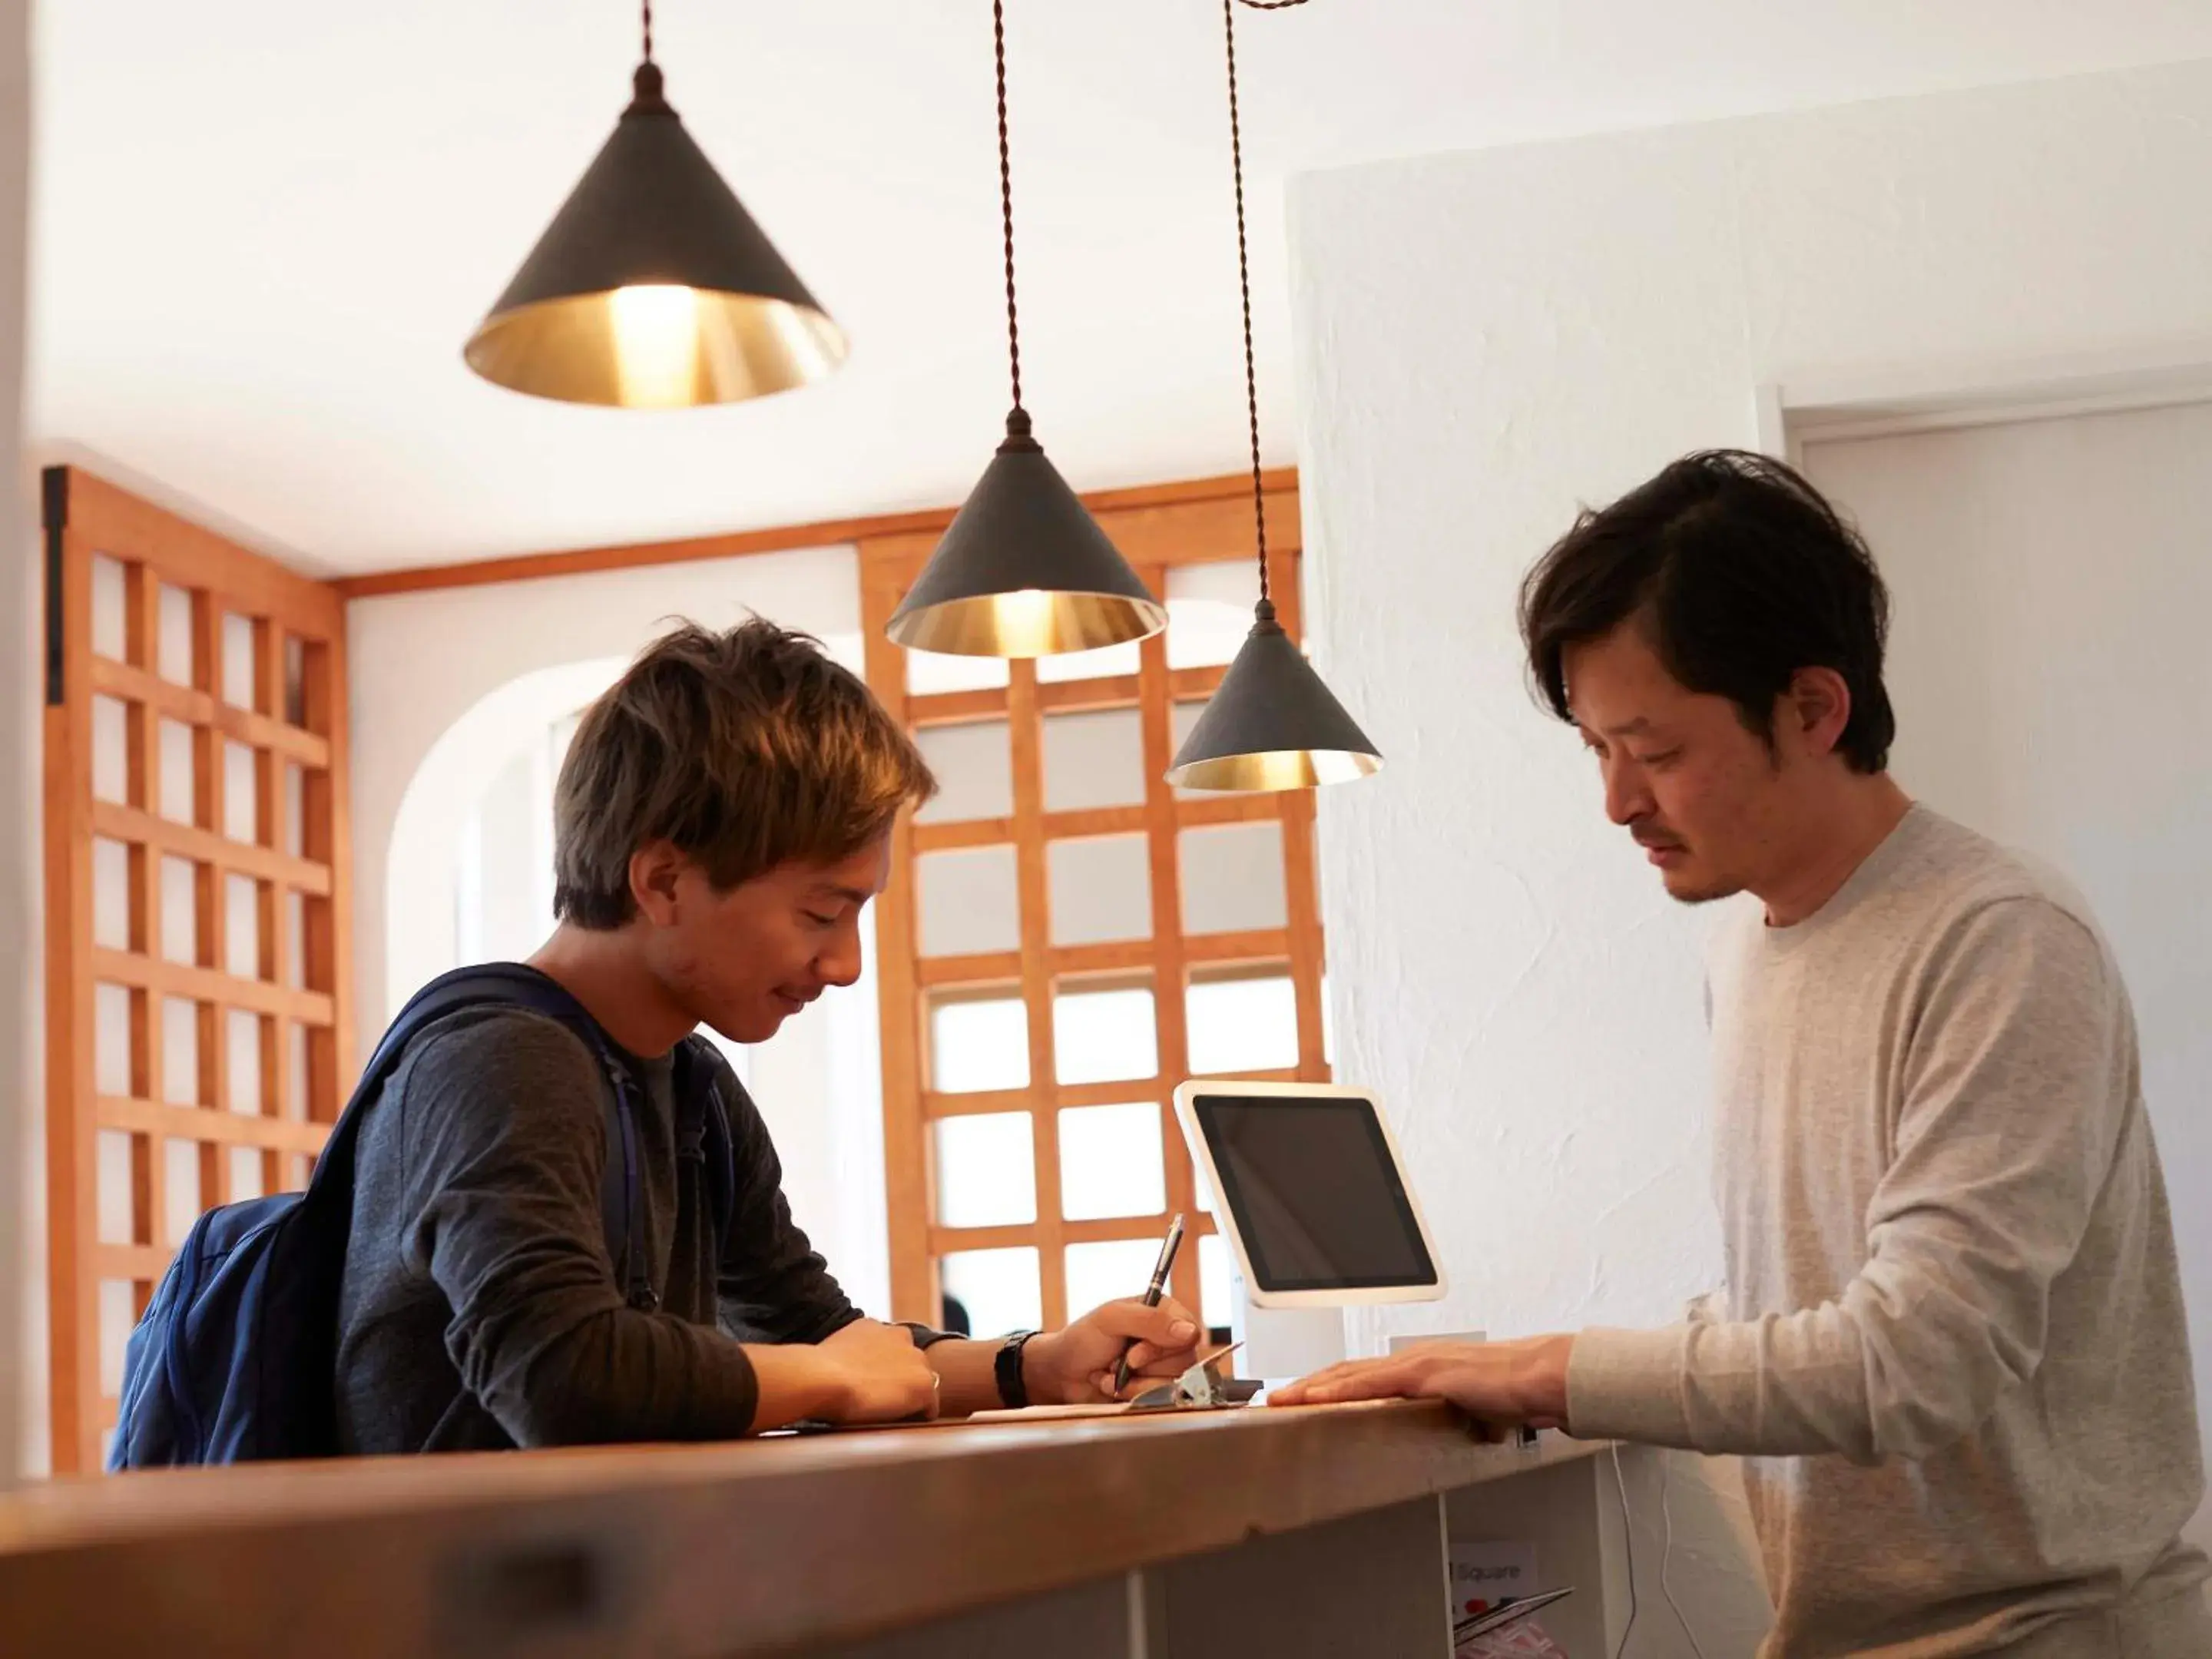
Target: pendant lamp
1272,725
1024,570
652,287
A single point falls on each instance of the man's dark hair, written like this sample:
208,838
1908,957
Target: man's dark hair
744,749
1741,575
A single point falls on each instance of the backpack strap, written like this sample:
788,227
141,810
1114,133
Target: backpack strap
706,1117
512,984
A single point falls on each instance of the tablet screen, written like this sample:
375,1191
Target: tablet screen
1315,1192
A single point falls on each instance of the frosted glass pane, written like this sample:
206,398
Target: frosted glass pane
242,1030
1181,718
241,924
180,925
1104,1036
998,1288
1243,1025
1232,879
239,820
181,1052
979,1045
111,1039
111,751
176,636
295,795
237,660
1093,760
1099,890
1210,611
1216,1270
1109,1272
111,1162
111,894
111,633
178,794
295,966
182,1173
974,769
246,1173
969,900
1110,1162
986,1170
928,671
118,1313
1108,661
295,1063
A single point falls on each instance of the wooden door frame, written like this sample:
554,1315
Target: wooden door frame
84,517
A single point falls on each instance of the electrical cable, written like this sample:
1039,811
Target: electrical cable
1628,1542
1666,1555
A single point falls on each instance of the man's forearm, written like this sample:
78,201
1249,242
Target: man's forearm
795,1381
966,1375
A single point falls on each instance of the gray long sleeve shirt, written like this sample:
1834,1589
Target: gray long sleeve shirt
480,1308
1952,1346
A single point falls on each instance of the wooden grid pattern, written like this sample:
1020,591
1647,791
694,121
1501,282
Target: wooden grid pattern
297,862
1181,528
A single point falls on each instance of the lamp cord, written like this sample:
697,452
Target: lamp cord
1245,285
1007,202
647,5
1244,289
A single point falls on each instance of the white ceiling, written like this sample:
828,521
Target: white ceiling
263,230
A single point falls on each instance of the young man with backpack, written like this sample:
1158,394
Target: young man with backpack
529,1266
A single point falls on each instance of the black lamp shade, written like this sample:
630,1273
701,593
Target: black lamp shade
652,286
1025,570
1272,725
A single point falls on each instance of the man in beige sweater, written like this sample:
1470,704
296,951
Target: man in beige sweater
1950,1347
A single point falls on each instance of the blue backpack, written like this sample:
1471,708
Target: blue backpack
235,1358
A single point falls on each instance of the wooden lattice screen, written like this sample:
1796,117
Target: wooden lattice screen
1159,530
198,955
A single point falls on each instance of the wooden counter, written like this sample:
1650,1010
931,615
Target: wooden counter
771,1545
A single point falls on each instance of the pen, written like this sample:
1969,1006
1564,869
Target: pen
1169,1246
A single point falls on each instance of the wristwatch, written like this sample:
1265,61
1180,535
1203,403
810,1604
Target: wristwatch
1006,1368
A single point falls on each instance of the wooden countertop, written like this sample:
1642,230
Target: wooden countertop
746,1547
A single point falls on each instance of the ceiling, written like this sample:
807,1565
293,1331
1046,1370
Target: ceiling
263,230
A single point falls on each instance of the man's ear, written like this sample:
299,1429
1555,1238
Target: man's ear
1818,707
654,870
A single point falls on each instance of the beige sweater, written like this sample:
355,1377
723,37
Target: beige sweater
1952,1346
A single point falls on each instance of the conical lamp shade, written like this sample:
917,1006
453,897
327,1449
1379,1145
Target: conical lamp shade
1025,570
652,287
1272,725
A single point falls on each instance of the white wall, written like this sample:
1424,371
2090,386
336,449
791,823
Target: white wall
1487,340
450,686
20,631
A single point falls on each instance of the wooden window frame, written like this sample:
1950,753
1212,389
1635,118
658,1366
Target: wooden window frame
1179,526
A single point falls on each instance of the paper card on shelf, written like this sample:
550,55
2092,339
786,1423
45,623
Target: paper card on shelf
1486,1572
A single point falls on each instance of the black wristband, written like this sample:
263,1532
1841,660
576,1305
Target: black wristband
1006,1368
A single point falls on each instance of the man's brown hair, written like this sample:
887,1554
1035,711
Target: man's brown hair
745,750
